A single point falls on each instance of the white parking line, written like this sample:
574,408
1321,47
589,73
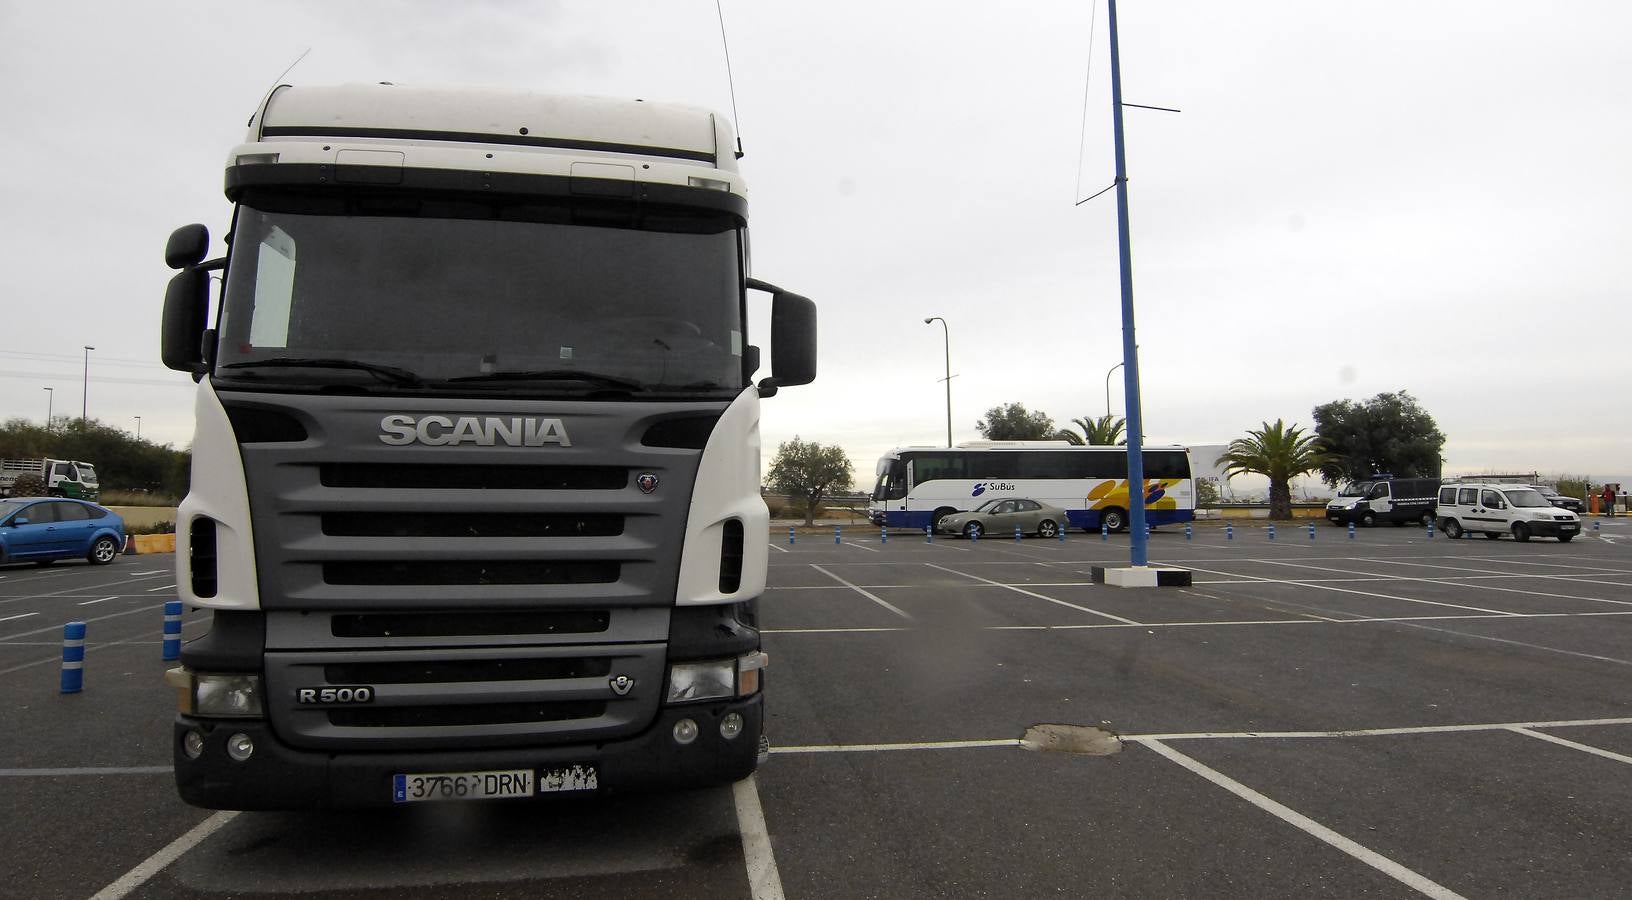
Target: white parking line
18,616
1568,579
83,771
1381,863
773,546
1584,748
764,881
1327,587
859,546
172,851
161,588
1103,615
89,602
1370,732
865,593
886,748
1081,626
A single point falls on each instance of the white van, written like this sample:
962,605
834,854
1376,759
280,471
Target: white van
1498,509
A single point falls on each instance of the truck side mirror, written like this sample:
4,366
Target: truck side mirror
187,246
793,339
186,304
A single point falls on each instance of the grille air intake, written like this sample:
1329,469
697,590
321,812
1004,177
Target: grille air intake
414,476
469,714
466,624
201,557
493,525
471,572
731,557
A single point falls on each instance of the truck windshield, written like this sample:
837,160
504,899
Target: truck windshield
487,294
86,473
1355,489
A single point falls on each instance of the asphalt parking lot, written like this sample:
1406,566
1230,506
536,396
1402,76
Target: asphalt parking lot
1389,715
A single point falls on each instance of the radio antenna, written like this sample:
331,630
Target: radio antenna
274,86
735,119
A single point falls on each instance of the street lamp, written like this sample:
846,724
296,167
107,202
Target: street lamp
946,334
1108,389
85,385
138,428
50,398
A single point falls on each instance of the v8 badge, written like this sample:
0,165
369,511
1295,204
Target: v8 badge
647,482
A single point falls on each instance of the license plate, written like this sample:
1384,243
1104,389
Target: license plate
1566,528
462,786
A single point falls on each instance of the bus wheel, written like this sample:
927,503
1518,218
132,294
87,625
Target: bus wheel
1113,519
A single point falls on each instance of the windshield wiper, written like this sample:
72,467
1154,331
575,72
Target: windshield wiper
551,375
390,374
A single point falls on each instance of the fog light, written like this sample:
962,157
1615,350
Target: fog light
240,747
685,731
731,725
192,744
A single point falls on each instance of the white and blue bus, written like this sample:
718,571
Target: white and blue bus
918,485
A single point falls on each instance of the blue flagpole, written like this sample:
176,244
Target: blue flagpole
1130,348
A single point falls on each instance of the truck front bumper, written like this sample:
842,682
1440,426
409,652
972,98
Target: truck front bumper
278,776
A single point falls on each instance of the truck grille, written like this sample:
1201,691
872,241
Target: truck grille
434,690
488,595
343,521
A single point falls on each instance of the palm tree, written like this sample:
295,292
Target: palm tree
1279,453
1101,432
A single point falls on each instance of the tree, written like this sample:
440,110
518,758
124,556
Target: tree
1279,453
1101,432
122,462
1388,433
1013,422
809,470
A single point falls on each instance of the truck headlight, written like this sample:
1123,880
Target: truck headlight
715,680
224,696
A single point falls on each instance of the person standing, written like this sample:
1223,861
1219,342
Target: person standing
1609,501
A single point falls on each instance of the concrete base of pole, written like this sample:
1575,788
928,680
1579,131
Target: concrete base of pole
1140,576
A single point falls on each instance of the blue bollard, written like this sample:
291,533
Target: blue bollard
1188,531
172,630
836,538
1104,533
1272,531
1311,531
73,657
883,535
1229,532
1149,530
1017,534
929,534
1594,526
1430,529
790,534
1351,531
974,536
1060,533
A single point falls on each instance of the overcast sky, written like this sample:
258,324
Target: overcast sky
1356,198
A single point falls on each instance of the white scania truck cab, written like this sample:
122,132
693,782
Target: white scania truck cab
475,495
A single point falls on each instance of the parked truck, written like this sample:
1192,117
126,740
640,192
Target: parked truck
57,477
475,494
1384,498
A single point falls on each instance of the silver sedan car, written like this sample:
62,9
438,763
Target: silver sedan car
1002,515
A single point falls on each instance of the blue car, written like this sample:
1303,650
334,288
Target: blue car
42,530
